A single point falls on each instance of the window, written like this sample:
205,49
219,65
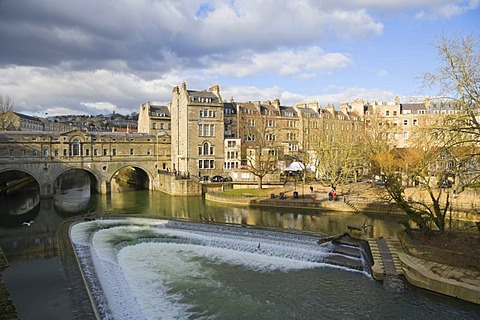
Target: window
75,147
405,122
394,113
154,125
206,164
205,113
250,122
206,130
291,136
270,123
64,152
387,113
87,152
270,137
292,147
131,152
95,152
114,151
105,152
206,149
405,136
148,152
249,137
56,152
415,122
162,126
232,144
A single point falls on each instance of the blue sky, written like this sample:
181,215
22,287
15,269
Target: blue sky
99,56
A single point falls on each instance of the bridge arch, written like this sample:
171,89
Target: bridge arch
143,176
93,176
31,173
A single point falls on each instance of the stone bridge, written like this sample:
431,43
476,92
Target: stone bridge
46,155
101,171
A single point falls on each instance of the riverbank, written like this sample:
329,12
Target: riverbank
7,308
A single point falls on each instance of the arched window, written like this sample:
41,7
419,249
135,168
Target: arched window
75,148
206,149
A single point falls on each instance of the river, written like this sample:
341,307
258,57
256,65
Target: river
40,290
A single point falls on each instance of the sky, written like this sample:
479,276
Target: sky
60,57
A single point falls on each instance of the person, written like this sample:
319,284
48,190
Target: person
334,195
311,189
330,196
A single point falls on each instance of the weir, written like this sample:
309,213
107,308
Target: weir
103,246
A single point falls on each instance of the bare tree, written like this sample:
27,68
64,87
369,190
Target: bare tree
260,146
459,81
6,113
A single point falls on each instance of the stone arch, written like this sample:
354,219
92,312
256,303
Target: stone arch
95,180
21,169
146,175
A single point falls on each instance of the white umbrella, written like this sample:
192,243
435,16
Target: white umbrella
295,166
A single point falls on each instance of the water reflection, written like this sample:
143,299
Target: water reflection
37,242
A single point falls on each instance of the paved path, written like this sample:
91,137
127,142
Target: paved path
391,260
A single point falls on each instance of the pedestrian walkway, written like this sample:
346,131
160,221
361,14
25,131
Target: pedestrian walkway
390,260
452,281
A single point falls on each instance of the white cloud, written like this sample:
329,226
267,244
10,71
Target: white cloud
284,62
97,56
100,91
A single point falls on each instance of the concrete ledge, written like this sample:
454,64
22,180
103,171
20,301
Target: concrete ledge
306,203
420,276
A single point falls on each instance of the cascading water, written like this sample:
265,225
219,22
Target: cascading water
163,269
105,248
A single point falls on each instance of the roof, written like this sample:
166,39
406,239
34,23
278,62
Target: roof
159,111
203,94
413,106
24,116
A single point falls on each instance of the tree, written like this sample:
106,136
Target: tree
259,147
376,143
459,82
6,113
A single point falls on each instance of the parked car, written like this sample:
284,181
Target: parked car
217,179
227,179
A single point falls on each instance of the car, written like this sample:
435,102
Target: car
217,179
227,179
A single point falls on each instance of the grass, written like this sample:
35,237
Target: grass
252,192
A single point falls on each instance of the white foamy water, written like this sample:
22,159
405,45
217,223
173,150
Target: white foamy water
156,269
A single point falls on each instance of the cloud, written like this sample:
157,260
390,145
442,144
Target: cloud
40,89
305,62
97,56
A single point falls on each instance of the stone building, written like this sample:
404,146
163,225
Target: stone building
15,121
154,119
197,132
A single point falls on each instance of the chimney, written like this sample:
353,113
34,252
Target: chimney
276,103
216,91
